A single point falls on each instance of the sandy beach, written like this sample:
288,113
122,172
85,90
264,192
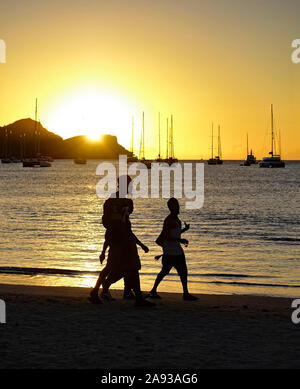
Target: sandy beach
56,327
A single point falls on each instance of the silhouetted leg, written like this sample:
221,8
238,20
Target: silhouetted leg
103,274
164,272
127,288
111,279
183,273
133,282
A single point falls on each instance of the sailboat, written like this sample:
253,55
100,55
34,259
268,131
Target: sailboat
133,158
32,162
38,161
167,149
217,160
274,161
251,160
170,154
172,158
142,146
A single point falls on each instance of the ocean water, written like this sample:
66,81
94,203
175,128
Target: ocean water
245,239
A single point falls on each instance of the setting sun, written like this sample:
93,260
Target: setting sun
91,112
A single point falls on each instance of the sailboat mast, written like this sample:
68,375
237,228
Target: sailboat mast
141,142
39,137
172,139
132,130
35,127
158,134
272,130
219,145
143,150
167,138
220,142
36,110
212,140
247,146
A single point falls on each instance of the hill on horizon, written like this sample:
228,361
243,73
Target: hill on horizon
25,137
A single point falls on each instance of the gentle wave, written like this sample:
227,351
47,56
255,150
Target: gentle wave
74,273
296,240
36,271
251,284
39,270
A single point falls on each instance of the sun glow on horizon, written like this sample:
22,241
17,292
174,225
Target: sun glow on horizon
91,112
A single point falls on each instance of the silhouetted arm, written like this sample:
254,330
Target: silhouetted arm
130,206
139,243
104,248
186,228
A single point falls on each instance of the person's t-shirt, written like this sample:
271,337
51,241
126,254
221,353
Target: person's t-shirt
116,212
172,228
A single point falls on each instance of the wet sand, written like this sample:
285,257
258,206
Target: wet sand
56,327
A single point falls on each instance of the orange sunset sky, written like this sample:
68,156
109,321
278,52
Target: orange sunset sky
93,64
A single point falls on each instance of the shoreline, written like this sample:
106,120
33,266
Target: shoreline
204,287
223,301
58,328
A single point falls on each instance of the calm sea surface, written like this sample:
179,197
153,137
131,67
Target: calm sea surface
245,240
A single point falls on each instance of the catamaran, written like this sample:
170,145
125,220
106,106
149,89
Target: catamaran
274,161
